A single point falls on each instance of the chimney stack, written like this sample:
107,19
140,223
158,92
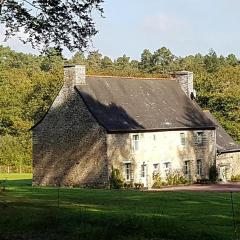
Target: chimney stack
185,79
74,75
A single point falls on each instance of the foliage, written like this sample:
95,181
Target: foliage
115,179
235,178
213,174
157,181
138,185
46,23
29,83
176,177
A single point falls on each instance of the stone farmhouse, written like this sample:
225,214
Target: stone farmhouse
139,126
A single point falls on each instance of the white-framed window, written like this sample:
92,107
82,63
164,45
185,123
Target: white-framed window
155,168
135,142
186,167
167,166
127,170
183,139
143,170
199,167
199,138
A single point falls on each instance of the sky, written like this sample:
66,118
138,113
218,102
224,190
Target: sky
184,26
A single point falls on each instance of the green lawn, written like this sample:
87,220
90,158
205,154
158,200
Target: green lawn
32,213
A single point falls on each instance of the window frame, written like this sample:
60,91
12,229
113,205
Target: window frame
187,168
199,133
183,139
127,171
199,170
135,142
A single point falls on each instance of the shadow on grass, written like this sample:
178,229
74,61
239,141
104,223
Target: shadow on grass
17,183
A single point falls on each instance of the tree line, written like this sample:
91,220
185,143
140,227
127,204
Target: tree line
28,84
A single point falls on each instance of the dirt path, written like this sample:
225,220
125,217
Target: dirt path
227,187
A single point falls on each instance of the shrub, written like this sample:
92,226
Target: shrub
235,178
213,174
175,178
115,179
157,181
128,185
138,185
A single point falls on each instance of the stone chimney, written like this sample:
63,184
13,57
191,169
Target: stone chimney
185,79
74,75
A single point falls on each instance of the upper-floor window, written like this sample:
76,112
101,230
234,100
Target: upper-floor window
199,138
183,139
154,137
135,142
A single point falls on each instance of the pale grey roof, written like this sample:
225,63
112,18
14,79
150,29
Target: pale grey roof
225,142
123,105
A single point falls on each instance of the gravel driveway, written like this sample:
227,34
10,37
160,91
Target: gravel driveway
223,187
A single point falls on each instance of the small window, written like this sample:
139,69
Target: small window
199,138
183,139
135,141
154,137
128,171
143,168
155,168
199,167
167,167
187,168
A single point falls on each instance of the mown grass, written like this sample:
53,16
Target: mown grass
32,213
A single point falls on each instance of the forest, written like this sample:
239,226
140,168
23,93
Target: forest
28,84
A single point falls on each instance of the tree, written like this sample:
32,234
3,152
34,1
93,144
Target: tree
122,63
162,59
94,61
146,64
211,61
232,60
47,23
106,63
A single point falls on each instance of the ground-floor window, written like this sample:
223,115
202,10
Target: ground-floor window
127,171
143,173
167,165
199,167
155,168
187,168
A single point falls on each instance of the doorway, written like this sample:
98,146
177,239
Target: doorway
144,174
222,173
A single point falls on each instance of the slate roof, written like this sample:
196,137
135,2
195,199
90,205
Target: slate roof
128,105
225,143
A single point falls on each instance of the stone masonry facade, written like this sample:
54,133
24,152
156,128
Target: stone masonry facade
69,146
159,152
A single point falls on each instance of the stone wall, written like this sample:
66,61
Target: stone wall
230,162
69,147
161,148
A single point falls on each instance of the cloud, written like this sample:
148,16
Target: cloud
163,24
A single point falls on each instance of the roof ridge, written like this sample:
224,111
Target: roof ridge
139,78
